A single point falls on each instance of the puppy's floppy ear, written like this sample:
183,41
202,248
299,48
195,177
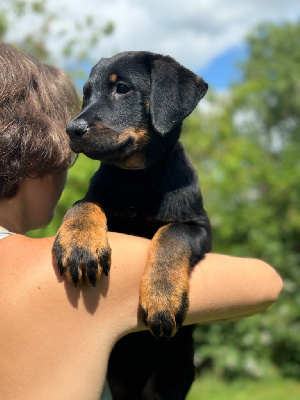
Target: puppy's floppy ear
175,92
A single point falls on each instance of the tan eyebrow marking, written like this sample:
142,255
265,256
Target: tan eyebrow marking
113,78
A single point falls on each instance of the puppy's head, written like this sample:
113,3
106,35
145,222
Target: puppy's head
133,107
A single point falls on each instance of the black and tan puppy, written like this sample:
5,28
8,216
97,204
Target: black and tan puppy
133,107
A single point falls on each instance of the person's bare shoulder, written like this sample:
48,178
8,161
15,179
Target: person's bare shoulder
32,279
22,257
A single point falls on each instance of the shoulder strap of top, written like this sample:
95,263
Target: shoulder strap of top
4,232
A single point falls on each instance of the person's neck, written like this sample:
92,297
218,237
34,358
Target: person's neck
12,216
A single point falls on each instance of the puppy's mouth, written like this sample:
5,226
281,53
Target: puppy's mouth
116,154
108,152
110,146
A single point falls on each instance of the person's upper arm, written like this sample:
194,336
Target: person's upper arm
228,288
221,287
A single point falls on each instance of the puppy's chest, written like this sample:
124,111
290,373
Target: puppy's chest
135,198
139,202
136,212
134,203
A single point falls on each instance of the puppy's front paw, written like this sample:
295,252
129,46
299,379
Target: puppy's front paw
163,305
81,255
81,249
165,284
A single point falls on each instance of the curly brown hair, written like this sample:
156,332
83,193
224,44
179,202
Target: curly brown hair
36,103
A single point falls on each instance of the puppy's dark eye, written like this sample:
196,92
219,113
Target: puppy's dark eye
122,88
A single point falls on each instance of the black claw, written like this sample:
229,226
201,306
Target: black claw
162,324
74,271
57,254
60,267
92,279
91,275
104,260
91,267
155,329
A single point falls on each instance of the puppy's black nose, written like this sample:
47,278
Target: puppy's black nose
77,127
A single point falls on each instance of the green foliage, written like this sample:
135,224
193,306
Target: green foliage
247,155
209,388
72,48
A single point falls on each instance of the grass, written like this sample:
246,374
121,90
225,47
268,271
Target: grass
209,388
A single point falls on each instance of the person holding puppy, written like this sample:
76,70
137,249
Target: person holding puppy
55,339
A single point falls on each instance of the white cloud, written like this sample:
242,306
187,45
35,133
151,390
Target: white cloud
192,31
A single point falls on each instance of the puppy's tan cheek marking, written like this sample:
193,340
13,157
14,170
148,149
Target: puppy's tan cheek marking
98,125
136,161
141,138
113,78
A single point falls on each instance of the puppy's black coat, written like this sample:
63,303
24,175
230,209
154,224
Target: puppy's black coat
133,108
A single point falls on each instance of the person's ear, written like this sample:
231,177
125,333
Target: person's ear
175,92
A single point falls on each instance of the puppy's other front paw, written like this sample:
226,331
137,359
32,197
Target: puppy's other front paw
163,312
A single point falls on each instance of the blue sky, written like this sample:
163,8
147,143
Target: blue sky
223,70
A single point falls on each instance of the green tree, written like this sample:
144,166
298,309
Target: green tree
247,156
73,51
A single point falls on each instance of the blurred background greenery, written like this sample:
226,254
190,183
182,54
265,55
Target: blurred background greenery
246,148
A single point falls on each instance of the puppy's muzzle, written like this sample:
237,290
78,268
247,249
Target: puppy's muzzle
77,127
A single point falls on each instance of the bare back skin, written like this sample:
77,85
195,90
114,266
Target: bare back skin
55,339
